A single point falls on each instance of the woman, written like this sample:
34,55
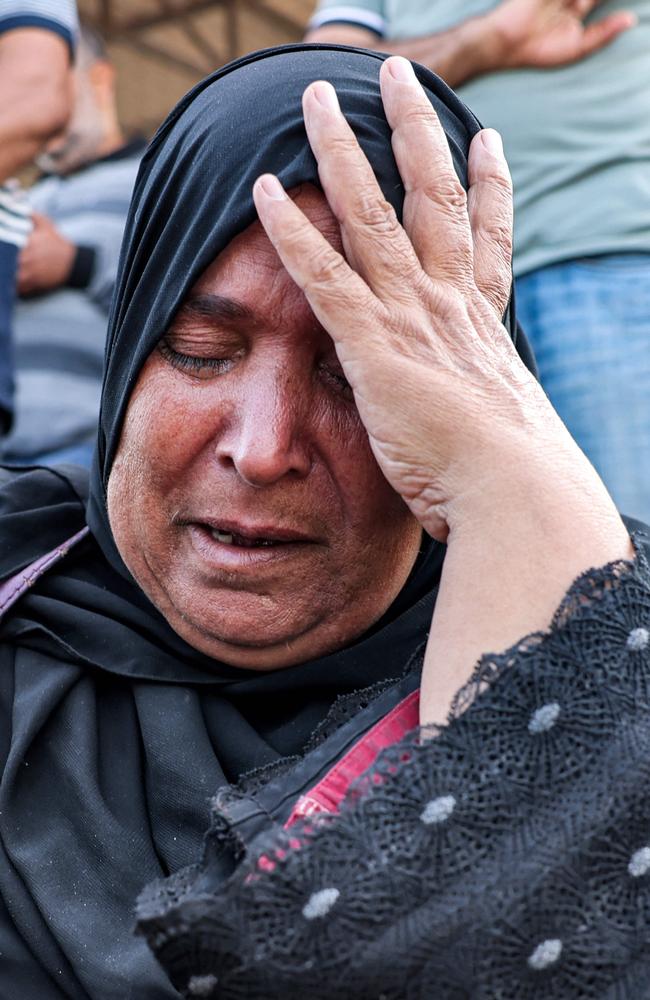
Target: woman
278,426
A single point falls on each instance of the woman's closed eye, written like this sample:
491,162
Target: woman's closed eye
332,373
204,361
199,365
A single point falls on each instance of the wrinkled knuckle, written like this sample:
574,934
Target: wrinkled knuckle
446,300
327,268
376,215
342,146
293,237
503,182
418,114
418,283
497,293
497,232
449,193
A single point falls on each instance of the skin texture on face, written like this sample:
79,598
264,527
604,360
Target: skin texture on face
241,428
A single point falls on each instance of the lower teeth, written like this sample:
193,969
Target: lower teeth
245,543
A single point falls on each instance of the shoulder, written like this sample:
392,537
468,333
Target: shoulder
38,486
39,509
367,14
58,16
103,187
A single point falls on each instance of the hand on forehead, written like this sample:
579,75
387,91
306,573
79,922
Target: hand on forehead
414,308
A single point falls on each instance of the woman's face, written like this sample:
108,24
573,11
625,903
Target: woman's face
244,497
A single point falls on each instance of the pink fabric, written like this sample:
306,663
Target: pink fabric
326,796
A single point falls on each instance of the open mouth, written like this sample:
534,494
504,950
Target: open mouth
230,538
236,545
259,536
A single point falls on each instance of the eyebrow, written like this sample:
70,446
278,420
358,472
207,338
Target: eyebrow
219,308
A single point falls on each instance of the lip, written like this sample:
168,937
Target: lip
273,533
221,556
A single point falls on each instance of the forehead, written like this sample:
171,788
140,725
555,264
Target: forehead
251,258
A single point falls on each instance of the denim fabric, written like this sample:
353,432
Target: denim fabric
8,263
588,321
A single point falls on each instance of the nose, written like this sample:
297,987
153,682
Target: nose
267,436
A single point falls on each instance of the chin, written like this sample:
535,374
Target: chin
252,632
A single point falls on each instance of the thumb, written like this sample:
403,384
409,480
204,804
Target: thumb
40,221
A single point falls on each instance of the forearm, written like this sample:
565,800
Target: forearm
34,74
510,563
469,49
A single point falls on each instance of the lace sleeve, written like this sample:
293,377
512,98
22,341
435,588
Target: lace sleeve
506,858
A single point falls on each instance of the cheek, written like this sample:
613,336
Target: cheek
156,443
369,498
164,427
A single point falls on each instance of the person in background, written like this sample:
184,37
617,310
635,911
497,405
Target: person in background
67,270
36,42
568,87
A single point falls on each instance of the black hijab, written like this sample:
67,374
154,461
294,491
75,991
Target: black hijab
126,729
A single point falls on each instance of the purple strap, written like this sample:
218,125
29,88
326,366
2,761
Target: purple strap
16,586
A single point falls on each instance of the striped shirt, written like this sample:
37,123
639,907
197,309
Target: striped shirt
59,16
371,18
60,336
15,216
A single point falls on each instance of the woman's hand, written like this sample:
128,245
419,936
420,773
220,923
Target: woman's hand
459,427
415,311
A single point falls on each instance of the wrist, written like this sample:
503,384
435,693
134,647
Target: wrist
486,48
470,49
509,40
547,498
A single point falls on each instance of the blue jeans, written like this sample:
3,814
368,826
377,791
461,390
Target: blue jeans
588,321
8,264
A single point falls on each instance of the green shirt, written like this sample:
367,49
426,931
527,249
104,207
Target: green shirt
577,137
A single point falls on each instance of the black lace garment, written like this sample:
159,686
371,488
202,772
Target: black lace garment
505,856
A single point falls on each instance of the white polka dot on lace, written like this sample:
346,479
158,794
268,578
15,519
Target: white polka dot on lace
202,986
545,954
544,718
638,639
438,810
639,862
320,903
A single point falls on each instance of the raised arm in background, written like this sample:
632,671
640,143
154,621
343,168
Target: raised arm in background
36,93
513,34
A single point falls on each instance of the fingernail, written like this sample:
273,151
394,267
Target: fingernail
325,95
401,69
271,187
492,141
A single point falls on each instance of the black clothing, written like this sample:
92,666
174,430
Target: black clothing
508,858
113,739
